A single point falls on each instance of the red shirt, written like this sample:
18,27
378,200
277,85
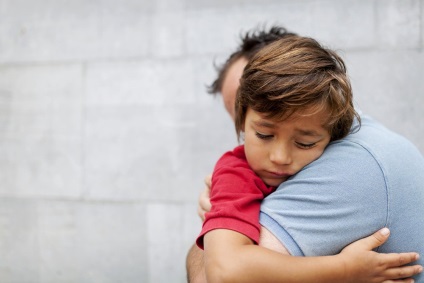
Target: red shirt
236,196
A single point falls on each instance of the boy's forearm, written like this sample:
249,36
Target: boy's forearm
195,265
232,257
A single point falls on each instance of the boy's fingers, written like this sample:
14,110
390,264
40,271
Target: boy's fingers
371,242
395,260
404,272
376,239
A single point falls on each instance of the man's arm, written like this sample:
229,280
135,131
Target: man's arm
195,265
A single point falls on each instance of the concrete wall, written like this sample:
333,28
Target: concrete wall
106,131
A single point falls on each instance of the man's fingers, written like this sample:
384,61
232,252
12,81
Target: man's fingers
204,199
208,182
203,207
201,213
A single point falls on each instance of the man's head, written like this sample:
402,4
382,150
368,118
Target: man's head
295,74
230,72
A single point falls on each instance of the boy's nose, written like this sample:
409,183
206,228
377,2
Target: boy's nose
281,155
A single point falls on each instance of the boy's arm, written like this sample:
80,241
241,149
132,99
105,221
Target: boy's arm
231,257
195,263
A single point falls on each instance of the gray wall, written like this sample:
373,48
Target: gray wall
106,131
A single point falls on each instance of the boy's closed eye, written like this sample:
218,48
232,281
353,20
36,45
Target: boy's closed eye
298,144
264,136
305,145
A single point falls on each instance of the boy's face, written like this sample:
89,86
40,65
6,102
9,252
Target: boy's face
276,150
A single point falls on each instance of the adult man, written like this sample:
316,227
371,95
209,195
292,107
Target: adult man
372,178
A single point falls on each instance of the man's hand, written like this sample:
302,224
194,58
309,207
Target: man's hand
204,199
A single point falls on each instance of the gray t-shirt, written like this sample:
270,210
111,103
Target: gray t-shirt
371,179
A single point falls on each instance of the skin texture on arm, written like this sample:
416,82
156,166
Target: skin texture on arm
195,265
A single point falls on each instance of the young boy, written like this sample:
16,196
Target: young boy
294,98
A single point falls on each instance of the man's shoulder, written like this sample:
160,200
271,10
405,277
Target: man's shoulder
358,154
373,150
372,138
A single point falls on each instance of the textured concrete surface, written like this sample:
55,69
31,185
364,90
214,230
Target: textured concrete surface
106,130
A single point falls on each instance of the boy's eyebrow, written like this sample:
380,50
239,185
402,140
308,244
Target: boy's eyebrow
307,132
267,124
263,123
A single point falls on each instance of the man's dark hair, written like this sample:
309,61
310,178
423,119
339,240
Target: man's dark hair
251,42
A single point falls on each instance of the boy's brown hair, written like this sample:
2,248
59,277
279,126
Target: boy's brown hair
293,74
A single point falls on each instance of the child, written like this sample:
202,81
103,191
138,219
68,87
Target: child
294,99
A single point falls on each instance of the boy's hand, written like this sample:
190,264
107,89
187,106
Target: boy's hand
358,258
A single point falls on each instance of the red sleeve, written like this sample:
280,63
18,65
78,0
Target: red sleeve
236,196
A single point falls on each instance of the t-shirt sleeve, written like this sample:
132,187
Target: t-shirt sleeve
236,195
328,204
